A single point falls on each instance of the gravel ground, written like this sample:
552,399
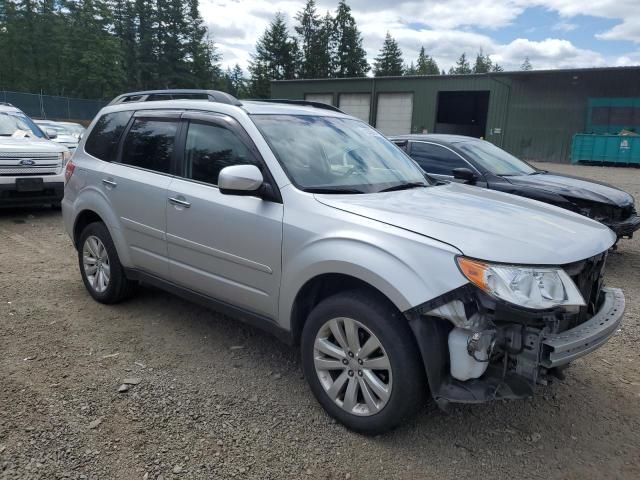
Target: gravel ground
217,399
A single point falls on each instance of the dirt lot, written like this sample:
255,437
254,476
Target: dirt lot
217,399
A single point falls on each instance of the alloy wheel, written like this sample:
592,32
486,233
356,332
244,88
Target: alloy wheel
95,261
352,366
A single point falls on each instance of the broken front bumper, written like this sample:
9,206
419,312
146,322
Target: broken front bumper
528,349
626,227
562,348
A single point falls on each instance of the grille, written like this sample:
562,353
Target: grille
588,276
45,164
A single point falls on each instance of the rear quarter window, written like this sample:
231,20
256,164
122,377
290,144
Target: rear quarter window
103,140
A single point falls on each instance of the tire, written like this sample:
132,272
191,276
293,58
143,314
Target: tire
403,383
96,248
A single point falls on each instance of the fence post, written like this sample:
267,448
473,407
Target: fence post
68,108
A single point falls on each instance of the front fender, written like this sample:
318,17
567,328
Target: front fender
407,275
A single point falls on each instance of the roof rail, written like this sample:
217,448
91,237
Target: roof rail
306,103
176,94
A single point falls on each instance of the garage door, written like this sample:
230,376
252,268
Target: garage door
394,113
356,104
319,97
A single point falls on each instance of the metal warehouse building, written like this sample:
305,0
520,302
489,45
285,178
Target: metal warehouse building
532,114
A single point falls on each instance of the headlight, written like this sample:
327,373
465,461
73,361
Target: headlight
66,156
529,287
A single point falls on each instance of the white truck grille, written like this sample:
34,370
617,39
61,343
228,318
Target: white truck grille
28,164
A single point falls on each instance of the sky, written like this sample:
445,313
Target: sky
552,33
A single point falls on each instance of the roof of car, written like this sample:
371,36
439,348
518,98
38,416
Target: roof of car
9,108
434,137
251,107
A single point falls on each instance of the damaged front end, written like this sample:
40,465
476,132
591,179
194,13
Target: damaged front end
622,219
478,348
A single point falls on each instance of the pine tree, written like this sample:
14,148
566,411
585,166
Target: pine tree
426,64
389,60
462,66
526,65
314,39
276,58
483,63
202,56
410,69
497,68
350,58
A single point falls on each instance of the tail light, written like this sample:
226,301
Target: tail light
68,171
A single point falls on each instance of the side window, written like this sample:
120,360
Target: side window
436,159
104,138
149,144
209,149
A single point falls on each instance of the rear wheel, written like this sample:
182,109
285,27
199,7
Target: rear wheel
362,362
100,267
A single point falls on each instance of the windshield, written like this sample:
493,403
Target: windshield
494,159
12,122
327,154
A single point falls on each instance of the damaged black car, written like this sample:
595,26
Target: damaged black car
478,162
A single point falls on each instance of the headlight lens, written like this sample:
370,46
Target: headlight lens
529,287
66,156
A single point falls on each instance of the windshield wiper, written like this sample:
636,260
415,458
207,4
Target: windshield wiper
331,190
539,172
403,186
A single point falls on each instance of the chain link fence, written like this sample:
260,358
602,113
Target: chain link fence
52,107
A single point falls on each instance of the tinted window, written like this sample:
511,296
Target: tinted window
105,136
436,159
149,144
209,149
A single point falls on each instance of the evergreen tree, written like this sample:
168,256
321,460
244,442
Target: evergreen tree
314,35
462,66
276,58
234,82
389,60
526,65
483,63
350,58
426,64
410,69
497,68
202,55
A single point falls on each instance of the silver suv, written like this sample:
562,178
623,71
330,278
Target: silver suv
31,166
310,224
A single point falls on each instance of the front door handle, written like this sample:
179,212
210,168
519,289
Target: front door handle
180,201
109,183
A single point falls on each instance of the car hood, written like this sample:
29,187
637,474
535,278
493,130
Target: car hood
573,187
484,224
30,145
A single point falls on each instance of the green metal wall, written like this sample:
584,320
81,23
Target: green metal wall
533,115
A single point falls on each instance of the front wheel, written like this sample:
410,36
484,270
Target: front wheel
362,362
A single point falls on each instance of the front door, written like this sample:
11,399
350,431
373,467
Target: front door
227,247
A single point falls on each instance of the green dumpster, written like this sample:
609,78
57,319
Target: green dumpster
612,149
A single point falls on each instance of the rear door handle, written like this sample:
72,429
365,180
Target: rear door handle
109,183
180,201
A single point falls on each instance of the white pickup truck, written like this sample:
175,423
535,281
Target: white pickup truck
31,165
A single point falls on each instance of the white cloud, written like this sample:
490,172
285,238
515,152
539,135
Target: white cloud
449,27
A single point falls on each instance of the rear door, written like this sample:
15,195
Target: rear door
137,183
439,161
227,247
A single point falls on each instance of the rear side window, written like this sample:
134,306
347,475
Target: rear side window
149,144
209,149
105,136
436,159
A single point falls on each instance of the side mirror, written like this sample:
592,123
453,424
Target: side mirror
240,180
465,174
51,133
